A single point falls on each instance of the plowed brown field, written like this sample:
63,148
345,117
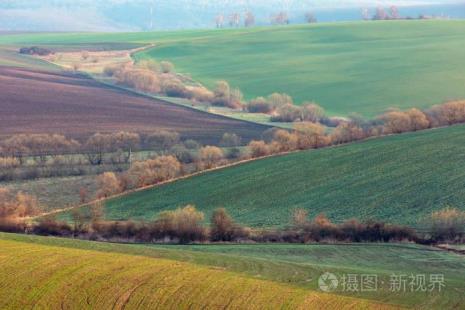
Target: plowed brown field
46,102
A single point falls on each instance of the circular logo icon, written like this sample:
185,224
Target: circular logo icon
328,282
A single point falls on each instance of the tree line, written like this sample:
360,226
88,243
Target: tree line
248,19
187,224
149,76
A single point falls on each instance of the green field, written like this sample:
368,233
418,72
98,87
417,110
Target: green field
282,268
346,67
66,274
398,179
349,67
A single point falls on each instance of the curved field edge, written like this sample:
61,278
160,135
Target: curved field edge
38,276
398,179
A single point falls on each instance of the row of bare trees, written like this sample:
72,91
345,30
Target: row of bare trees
248,19
307,135
186,225
183,225
15,150
17,147
159,78
282,109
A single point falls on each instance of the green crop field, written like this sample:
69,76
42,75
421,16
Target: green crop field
346,67
398,179
350,67
287,268
53,276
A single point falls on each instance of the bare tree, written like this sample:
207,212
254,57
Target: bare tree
310,18
280,19
380,14
108,185
234,19
219,21
249,19
210,156
365,14
394,10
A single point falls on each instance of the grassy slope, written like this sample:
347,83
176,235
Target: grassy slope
398,179
301,265
41,276
346,67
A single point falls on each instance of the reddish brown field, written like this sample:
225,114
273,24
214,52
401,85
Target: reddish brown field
46,102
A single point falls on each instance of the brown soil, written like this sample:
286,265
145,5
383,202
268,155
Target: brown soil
77,106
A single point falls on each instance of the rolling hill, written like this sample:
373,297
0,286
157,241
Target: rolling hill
34,101
398,179
362,67
346,67
288,268
35,275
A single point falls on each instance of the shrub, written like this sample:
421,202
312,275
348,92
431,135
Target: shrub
210,156
447,224
17,205
183,154
418,120
311,135
347,132
153,171
259,105
224,96
35,50
285,141
108,185
312,112
192,144
258,149
174,88
399,122
300,219
162,139
140,79
448,113
167,67
287,113
230,140
49,226
234,153
223,228
277,100
184,224
201,94
10,225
